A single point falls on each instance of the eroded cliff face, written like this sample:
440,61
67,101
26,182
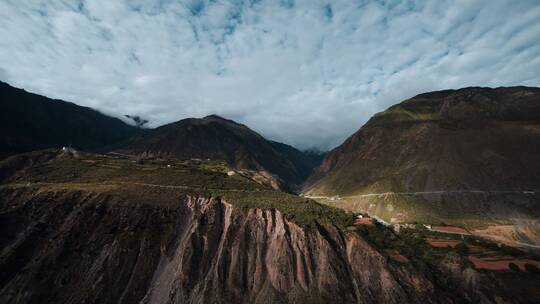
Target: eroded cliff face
78,247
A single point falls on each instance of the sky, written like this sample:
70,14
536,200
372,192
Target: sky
305,72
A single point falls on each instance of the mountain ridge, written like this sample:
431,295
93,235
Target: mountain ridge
216,137
30,121
441,112
466,157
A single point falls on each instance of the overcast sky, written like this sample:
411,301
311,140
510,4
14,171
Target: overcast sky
305,72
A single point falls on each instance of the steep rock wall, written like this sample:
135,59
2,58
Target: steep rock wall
80,247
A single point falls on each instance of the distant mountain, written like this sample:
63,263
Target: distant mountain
306,161
29,122
215,137
469,153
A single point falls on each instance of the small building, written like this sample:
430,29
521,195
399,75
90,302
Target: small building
231,173
69,150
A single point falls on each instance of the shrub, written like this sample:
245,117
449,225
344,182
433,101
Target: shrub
513,267
462,248
530,268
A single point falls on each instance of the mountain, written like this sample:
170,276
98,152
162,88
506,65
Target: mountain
85,228
469,156
306,161
218,138
30,122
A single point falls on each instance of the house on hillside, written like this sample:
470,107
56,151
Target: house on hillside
363,219
68,149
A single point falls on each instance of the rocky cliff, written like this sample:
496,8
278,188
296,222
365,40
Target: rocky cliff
80,247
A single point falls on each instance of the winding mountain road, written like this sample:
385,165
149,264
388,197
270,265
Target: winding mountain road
425,192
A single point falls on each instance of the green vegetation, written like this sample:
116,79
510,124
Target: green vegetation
530,268
417,209
467,241
412,244
299,210
399,113
409,242
513,267
462,248
159,181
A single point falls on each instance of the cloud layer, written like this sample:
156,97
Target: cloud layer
305,72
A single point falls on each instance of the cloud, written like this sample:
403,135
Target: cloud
305,72
4,75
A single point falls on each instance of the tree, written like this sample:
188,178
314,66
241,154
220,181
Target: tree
513,267
530,268
462,248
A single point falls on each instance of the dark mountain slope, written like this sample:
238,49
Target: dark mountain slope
218,138
30,122
306,161
472,154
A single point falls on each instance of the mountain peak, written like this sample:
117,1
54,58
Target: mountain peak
467,104
137,121
215,117
215,137
469,148
30,122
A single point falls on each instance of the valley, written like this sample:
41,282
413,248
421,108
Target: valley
269,152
